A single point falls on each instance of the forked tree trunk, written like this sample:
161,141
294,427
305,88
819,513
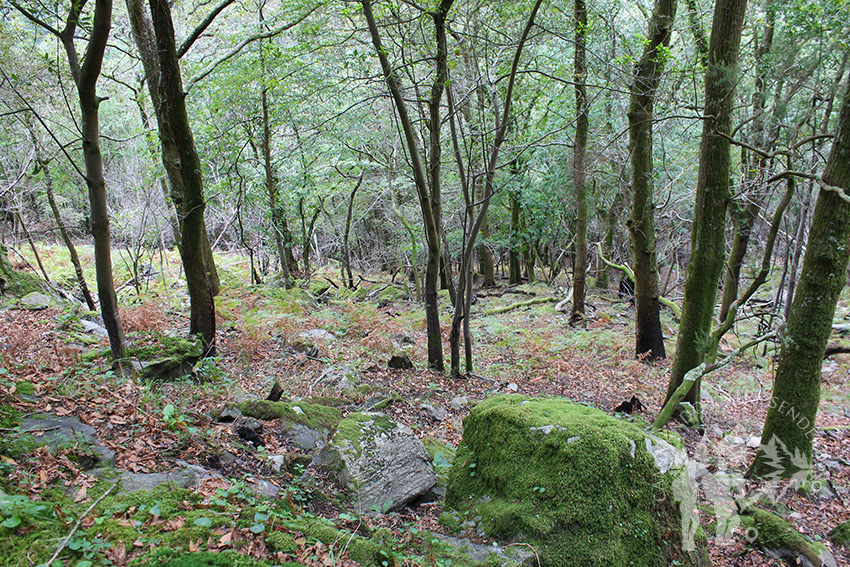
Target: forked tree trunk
649,339
143,36
176,123
790,424
708,238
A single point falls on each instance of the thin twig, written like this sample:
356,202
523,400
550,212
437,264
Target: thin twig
77,525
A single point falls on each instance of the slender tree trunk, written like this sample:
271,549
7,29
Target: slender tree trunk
86,77
515,251
649,338
66,238
579,157
744,216
429,195
790,424
176,122
346,253
708,239
143,36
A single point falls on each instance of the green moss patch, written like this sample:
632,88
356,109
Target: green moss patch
841,534
15,282
779,539
576,483
312,415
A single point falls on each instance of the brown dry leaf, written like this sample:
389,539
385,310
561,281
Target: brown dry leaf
117,554
194,546
174,524
226,539
82,494
139,543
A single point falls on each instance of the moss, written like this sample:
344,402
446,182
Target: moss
15,282
312,415
778,536
330,401
25,388
841,534
358,424
318,288
573,481
281,542
435,446
168,557
671,437
366,552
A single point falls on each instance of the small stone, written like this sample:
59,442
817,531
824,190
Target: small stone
229,414
512,387
277,462
754,442
319,334
834,466
400,362
434,412
36,301
402,339
459,402
93,328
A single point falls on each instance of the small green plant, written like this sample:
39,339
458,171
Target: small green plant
208,369
381,509
16,510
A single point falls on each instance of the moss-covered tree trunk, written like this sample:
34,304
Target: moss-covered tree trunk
86,78
649,339
143,37
515,250
708,238
579,158
744,215
176,122
796,388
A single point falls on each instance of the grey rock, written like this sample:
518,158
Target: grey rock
166,368
434,412
303,436
402,339
229,414
686,413
754,441
318,334
665,455
277,462
264,489
131,482
93,328
513,387
36,301
383,463
831,465
66,430
459,402
480,553
227,458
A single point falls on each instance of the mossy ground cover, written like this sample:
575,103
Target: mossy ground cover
532,349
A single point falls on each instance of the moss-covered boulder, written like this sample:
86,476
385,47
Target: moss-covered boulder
307,425
582,487
382,463
840,534
15,282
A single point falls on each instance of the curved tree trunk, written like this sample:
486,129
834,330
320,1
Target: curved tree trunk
176,124
66,238
649,339
790,424
708,238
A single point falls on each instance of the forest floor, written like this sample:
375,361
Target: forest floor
530,350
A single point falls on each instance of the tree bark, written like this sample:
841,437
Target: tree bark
428,194
649,339
515,251
143,36
790,423
86,78
708,239
176,124
579,157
